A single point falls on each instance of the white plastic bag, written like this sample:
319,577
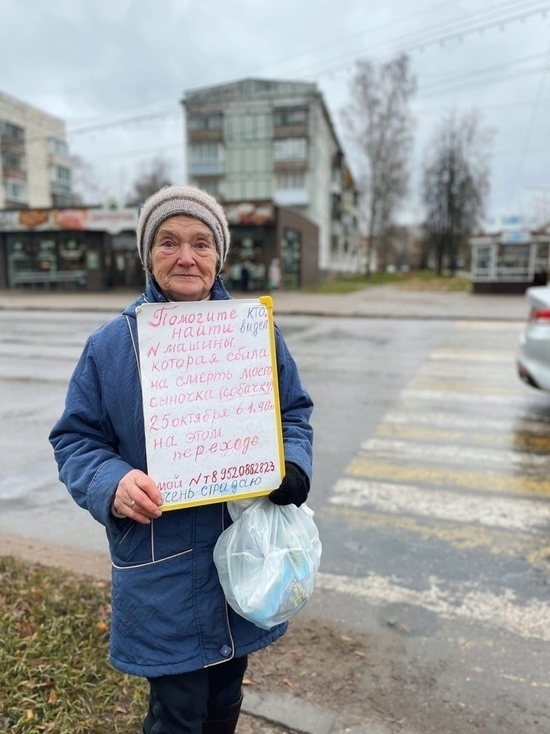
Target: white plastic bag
267,561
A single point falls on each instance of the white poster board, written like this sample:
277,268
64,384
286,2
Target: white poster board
210,400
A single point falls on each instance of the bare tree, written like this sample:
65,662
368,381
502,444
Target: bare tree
85,188
537,209
155,175
380,126
455,185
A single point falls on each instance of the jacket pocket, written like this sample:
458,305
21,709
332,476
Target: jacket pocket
153,620
163,538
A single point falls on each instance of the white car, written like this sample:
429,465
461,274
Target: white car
533,361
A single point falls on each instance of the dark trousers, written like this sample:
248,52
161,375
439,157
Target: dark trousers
182,704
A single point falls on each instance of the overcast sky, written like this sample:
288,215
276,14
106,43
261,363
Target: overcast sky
116,71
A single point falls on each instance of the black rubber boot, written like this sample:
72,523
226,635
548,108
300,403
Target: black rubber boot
223,720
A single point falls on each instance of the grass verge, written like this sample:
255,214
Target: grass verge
54,670
420,280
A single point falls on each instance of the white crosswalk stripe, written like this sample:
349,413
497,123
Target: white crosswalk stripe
442,419
408,450
465,602
518,514
450,451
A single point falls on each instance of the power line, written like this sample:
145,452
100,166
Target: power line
124,121
498,7
96,127
346,39
482,82
139,152
477,72
497,105
424,42
534,113
421,41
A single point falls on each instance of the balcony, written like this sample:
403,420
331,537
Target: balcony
206,168
202,136
290,131
60,187
291,197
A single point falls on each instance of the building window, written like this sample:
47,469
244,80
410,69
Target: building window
211,121
58,147
202,152
336,206
13,161
290,149
290,181
290,116
16,191
211,186
60,174
206,159
291,251
13,132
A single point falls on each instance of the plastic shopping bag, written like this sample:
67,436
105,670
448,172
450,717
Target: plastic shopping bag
267,561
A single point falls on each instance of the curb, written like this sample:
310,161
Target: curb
316,313
302,717
286,710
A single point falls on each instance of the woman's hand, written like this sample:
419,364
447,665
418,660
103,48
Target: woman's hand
294,488
137,497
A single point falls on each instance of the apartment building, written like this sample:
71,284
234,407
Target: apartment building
273,141
35,170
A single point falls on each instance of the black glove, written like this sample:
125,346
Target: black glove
294,487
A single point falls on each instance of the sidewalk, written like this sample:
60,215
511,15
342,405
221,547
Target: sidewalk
374,302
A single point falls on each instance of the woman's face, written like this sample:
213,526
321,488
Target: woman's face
184,258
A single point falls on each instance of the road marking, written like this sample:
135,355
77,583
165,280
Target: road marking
445,370
507,439
517,514
462,397
402,450
475,481
393,485
463,387
506,326
463,537
461,355
465,602
443,419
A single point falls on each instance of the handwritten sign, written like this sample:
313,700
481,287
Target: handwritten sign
210,400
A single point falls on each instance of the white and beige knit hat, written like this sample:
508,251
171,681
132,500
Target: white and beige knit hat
188,200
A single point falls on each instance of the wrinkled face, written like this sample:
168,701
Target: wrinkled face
184,258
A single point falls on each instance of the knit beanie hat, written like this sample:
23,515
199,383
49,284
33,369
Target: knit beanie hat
187,200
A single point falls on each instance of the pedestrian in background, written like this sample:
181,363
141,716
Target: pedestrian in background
274,274
170,620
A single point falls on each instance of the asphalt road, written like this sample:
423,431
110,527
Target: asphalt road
430,492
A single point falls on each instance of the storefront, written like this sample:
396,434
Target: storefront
262,233
95,249
69,249
510,262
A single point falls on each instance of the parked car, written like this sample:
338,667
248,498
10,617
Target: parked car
533,362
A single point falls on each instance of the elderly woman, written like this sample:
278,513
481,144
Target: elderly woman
170,620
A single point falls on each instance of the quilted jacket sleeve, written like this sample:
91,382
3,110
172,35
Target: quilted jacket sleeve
85,444
296,408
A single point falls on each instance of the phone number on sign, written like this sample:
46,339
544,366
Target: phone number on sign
245,470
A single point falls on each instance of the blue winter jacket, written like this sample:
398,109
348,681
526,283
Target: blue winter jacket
169,613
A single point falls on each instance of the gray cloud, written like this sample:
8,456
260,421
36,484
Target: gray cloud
114,60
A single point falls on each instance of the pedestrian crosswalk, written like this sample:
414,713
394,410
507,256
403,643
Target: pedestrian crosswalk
458,470
465,601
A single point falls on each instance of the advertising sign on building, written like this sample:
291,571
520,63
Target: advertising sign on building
77,219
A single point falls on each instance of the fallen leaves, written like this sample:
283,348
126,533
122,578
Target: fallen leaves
55,676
